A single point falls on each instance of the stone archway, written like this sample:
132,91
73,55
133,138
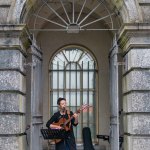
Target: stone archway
31,100
132,38
45,19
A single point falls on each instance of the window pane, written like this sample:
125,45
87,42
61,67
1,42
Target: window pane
88,98
86,57
67,54
93,132
72,76
85,125
61,80
91,98
91,79
73,98
77,55
55,97
60,57
54,66
53,109
54,80
88,79
91,118
72,80
85,80
70,96
71,83
85,98
78,132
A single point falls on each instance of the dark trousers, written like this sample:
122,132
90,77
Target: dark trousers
67,144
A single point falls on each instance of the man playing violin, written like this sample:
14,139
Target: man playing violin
64,119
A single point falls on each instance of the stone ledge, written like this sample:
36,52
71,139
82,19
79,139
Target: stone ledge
15,35
134,35
144,2
11,27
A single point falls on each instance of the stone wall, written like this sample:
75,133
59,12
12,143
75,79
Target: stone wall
136,86
12,88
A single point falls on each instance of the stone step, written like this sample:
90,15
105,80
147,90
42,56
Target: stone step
79,147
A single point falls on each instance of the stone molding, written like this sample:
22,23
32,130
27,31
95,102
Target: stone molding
134,36
15,36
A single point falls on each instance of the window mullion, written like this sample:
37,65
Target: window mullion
64,81
88,91
81,94
69,85
57,79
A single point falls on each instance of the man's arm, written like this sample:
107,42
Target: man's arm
50,122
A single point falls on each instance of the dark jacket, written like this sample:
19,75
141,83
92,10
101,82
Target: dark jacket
69,142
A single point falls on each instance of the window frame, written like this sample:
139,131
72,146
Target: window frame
96,86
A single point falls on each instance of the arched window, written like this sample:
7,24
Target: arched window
73,76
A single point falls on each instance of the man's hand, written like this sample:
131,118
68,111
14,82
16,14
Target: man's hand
75,115
55,126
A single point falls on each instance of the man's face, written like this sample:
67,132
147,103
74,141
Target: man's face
62,104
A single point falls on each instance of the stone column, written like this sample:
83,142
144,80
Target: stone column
34,96
13,44
135,42
114,97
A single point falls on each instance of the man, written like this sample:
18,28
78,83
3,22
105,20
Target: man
64,115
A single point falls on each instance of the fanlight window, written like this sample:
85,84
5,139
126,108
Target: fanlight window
73,76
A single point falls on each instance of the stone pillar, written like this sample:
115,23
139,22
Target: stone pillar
13,42
135,42
114,97
34,96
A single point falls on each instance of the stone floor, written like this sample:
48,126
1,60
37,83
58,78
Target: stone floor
79,147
